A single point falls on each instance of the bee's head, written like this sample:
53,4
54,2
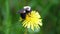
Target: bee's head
27,8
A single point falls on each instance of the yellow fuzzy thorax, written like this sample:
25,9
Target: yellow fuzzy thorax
33,20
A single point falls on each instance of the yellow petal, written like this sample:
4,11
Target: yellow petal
32,20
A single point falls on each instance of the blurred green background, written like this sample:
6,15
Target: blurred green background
48,9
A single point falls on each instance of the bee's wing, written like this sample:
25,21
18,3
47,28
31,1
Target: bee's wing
21,11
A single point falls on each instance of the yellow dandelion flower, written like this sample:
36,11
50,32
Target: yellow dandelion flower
33,20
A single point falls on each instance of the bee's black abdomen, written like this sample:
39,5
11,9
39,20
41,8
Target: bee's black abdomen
23,15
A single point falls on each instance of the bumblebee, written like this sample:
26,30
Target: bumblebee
23,12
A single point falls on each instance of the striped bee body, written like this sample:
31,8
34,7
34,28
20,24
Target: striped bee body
23,15
23,12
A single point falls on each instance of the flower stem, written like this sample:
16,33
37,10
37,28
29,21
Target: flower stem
7,20
25,31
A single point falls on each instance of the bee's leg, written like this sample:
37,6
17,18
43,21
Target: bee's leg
29,14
